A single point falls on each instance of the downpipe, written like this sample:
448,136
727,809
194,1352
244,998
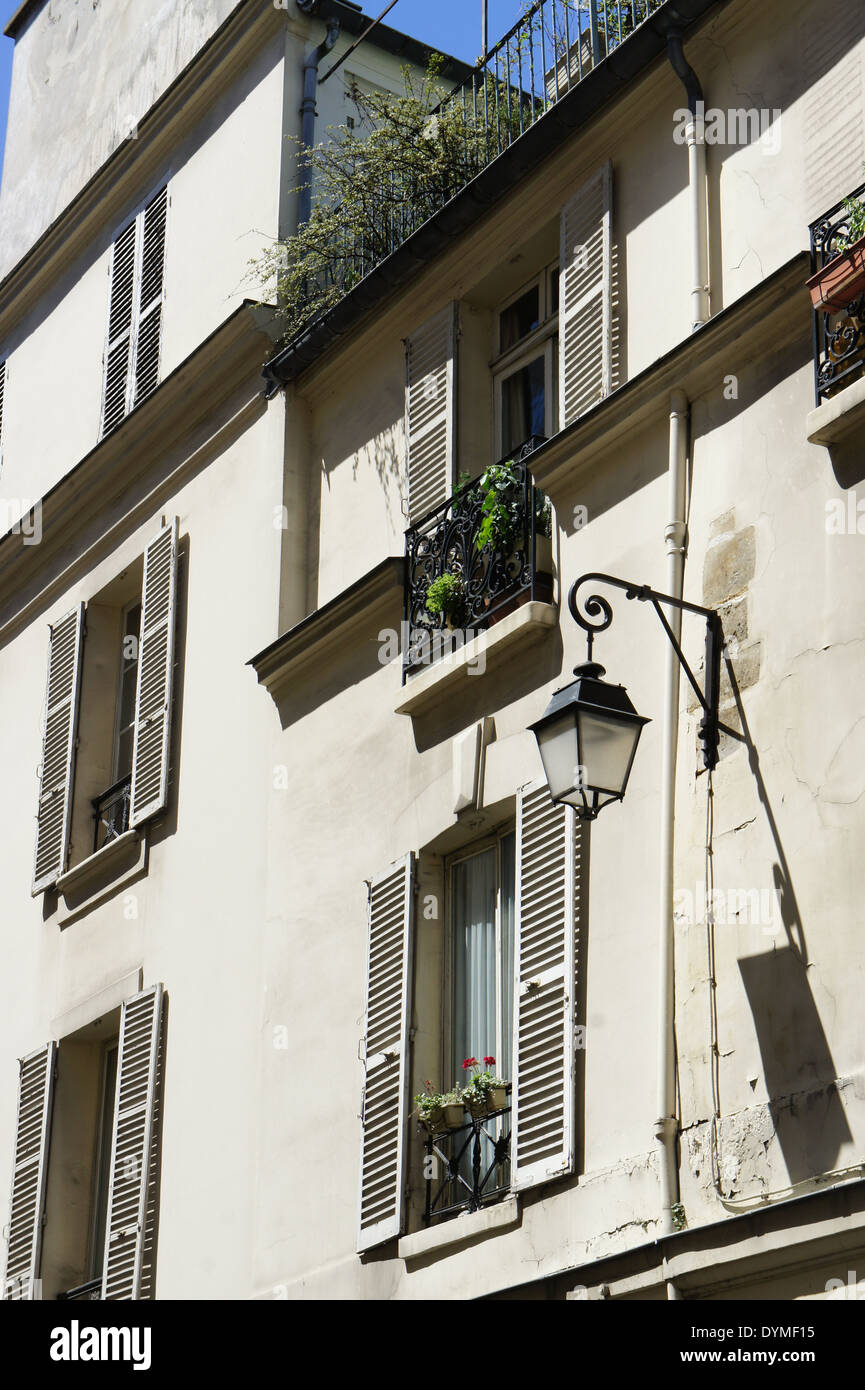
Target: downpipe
308,115
698,187
675,539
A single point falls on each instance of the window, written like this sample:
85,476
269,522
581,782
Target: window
108,713
525,370
482,943
88,1123
131,368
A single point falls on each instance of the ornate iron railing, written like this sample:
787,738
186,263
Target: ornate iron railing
90,1292
468,1168
839,337
111,813
546,53
493,581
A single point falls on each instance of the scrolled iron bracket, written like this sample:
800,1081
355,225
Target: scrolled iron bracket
599,609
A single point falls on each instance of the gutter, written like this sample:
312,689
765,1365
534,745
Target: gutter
308,114
606,82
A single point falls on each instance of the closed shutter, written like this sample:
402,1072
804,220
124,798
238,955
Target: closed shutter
30,1169
57,771
130,1226
548,888
135,312
385,1055
585,298
430,412
152,741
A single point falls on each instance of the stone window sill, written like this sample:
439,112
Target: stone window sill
461,1230
526,625
839,417
83,885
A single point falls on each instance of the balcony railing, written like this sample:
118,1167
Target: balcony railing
493,581
839,337
468,1168
548,52
111,813
84,1293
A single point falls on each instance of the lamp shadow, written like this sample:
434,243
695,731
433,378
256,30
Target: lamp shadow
795,1053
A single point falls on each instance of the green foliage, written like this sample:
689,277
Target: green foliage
372,188
855,209
502,508
446,595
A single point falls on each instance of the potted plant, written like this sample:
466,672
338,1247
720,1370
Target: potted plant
439,1111
503,525
446,596
843,278
486,1093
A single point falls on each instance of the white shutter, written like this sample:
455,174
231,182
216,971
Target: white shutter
149,330
57,771
585,298
548,887
151,747
135,312
30,1169
430,412
130,1223
385,1055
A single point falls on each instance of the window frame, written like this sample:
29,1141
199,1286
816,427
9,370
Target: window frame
540,342
135,602
102,1157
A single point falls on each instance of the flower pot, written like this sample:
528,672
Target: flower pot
498,1097
453,1114
840,281
477,1109
434,1121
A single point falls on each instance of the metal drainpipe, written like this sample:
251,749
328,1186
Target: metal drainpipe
697,181
308,114
675,537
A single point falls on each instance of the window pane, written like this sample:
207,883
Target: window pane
474,905
523,405
103,1162
519,319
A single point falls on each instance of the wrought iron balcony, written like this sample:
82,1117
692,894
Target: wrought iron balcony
492,581
111,813
470,1166
839,336
84,1293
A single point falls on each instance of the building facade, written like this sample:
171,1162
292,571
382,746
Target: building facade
294,860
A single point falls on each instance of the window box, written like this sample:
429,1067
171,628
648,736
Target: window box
837,288
841,281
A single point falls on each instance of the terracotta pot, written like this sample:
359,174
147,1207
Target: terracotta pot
839,282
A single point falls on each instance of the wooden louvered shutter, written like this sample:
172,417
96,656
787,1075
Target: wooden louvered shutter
152,742
119,345
57,772
385,1055
130,1227
585,298
430,412
30,1169
149,330
548,886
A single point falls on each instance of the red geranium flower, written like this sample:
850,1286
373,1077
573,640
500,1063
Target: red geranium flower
470,1062
490,1061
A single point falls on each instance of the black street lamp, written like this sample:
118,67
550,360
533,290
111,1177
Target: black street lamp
588,735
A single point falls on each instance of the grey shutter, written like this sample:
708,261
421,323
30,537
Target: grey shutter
30,1169
430,412
118,347
57,772
152,741
135,312
548,886
149,331
585,297
385,1055
130,1225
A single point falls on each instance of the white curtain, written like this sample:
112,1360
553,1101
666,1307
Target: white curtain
474,918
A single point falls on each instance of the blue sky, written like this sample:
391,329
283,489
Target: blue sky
452,25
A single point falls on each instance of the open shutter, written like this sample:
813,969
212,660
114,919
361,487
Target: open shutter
430,412
30,1169
548,883
155,678
130,1224
385,1055
58,749
118,348
150,297
585,297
